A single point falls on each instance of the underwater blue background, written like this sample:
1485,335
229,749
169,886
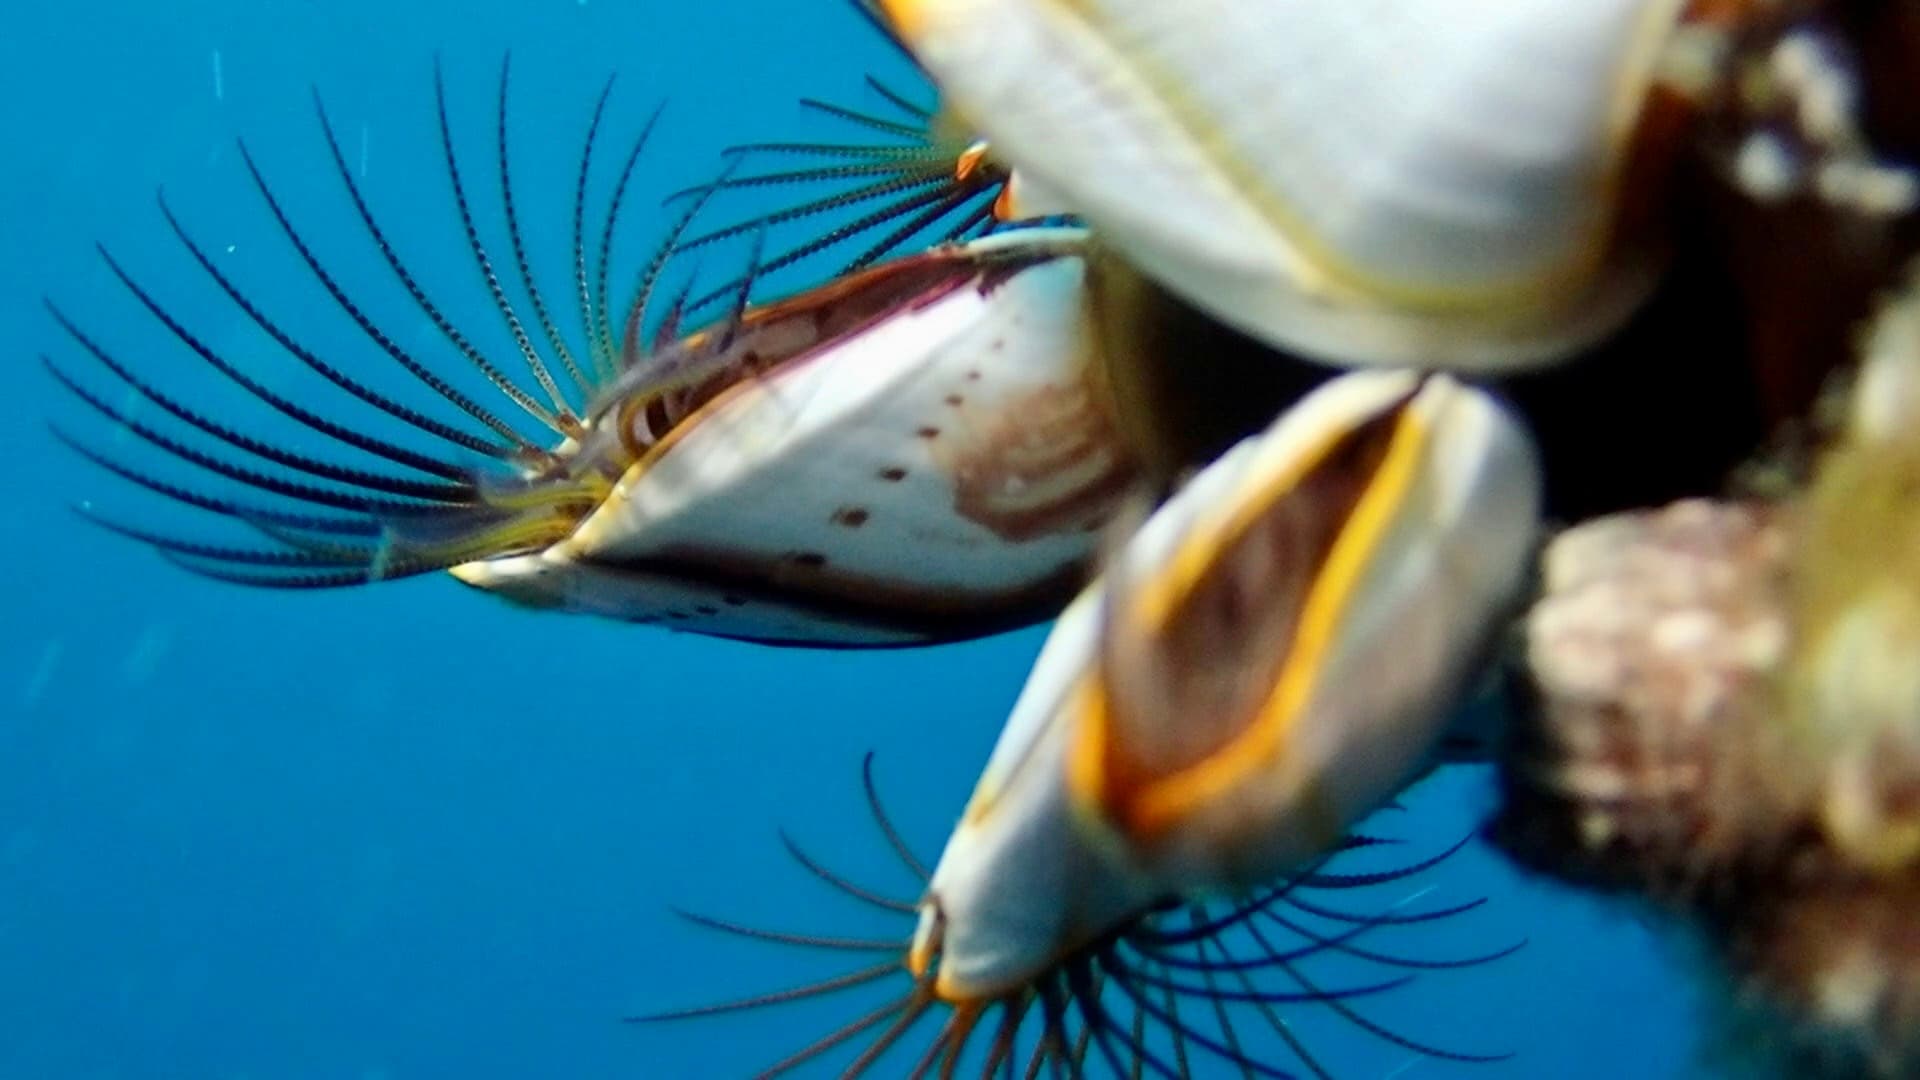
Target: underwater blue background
410,831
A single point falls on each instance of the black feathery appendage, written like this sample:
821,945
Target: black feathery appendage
482,488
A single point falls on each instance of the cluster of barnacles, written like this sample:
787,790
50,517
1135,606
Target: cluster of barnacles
1719,697
1354,327
1720,720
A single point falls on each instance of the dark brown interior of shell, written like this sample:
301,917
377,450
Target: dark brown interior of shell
1185,386
1182,691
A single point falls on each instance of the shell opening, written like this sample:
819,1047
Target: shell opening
1270,589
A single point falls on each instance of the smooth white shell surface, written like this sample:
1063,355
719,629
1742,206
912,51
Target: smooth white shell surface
1021,877
1423,182
951,461
1036,869
1428,590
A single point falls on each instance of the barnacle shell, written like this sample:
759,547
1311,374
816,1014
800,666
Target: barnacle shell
1663,760
916,450
1651,654
1264,662
941,470
1283,643
1429,183
1727,721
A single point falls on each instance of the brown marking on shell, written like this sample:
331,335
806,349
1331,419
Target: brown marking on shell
892,474
1037,465
851,517
775,335
795,330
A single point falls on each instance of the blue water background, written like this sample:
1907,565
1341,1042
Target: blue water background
410,831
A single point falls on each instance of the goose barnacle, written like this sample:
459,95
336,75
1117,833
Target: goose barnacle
1467,185
1268,659
917,451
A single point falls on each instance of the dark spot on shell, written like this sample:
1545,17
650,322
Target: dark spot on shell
928,432
893,474
974,375
707,609
955,400
678,616
851,517
734,601
812,560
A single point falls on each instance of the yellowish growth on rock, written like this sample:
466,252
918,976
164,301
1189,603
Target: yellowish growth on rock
1852,691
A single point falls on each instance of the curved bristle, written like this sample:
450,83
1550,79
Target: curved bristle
1225,1051
307,418
604,320
864,895
885,822
357,526
917,154
898,100
858,226
911,132
1313,944
1314,907
344,579
1338,1003
428,491
591,284
292,560
1166,996
338,500
811,941
1223,1019
312,360
916,1007
931,185
559,417
1271,997
894,185
777,997
1361,881
381,338
633,340
955,197
837,1037
819,173
1343,943
870,11
555,339
497,492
